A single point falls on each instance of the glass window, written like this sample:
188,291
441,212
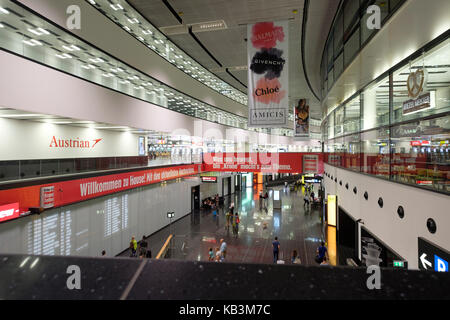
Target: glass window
351,47
330,126
421,153
350,10
339,66
330,52
375,152
376,105
352,147
435,96
339,152
330,79
339,121
338,33
352,116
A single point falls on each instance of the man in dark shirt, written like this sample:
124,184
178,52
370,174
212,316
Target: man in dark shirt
276,249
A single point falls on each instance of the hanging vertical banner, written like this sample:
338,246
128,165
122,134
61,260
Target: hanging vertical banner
301,123
268,78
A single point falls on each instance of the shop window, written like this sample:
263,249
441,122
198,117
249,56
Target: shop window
376,105
421,153
436,90
375,152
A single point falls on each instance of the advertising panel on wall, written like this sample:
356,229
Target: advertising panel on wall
66,192
301,123
268,78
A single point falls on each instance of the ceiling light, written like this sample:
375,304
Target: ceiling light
133,21
127,28
3,10
38,31
20,115
97,60
124,82
71,48
147,32
92,2
64,56
32,42
88,67
107,75
1,26
116,7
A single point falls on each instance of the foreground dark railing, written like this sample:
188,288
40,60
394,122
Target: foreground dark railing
45,277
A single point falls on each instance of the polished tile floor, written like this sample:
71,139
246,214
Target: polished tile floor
297,228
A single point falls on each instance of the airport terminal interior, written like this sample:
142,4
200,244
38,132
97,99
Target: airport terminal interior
248,145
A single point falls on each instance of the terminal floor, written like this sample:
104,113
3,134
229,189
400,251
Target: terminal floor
297,228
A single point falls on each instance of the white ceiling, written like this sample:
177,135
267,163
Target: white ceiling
229,46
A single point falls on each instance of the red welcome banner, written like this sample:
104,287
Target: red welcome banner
67,192
287,162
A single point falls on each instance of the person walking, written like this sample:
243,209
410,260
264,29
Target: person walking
236,222
133,247
218,255
223,249
232,208
322,253
228,217
276,249
306,199
266,196
143,248
261,198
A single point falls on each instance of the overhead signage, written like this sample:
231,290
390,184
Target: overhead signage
268,78
331,210
301,123
209,179
432,257
9,212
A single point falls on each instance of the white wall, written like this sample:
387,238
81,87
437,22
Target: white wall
23,139
83,229
399,234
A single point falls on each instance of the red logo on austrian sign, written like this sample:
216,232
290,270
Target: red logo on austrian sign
75,143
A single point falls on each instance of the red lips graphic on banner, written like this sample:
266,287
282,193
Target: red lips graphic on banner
268,91
265,35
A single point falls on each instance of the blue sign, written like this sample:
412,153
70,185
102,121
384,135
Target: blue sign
440,264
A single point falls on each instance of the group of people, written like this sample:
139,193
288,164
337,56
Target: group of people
220,253
232,219
141,247
211,202
308,197
321,254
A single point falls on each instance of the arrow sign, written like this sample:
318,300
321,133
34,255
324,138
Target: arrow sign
424,261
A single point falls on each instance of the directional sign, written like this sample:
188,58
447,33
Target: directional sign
432,257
